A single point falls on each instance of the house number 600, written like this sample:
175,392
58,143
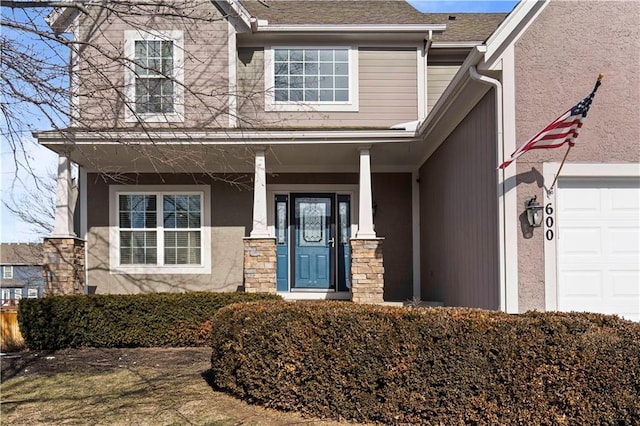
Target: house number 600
548,209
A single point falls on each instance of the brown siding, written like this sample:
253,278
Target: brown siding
392,198
458,214
438,78
387,83
556,65
205,63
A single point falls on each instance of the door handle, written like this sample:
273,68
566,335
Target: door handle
332,242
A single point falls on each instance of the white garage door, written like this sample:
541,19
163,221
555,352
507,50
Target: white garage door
599,246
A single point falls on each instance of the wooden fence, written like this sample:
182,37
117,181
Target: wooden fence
11,338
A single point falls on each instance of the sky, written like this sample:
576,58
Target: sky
44,162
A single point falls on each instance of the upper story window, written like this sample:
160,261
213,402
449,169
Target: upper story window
154,76
154,71
7,272
311,78
160,229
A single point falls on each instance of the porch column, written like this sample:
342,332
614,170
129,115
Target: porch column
64,257
259,268
63,225
367,266
365,207
260,197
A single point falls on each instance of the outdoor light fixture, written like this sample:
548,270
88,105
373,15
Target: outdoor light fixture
534,212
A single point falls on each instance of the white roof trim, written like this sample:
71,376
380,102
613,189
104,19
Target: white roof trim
453,44
233,137
357,28
234,8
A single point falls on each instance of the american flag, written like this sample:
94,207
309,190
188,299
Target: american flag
562,130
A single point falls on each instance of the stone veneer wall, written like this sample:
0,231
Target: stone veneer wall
367,271
63,268
260,265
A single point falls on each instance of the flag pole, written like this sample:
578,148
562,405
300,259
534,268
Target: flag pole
595,89
560,168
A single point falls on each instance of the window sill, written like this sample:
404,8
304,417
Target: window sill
160,270
311,107
130,117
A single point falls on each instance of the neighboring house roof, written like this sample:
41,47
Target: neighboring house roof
460,26
21,254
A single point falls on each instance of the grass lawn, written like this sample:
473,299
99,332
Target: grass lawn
155,386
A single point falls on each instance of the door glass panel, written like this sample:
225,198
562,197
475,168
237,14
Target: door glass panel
281,213
313,219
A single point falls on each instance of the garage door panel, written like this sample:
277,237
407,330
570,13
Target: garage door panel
581,241
625,241
598,224
581,283
625,284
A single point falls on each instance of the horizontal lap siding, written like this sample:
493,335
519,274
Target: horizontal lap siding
387,92
206,69
438,78
458,214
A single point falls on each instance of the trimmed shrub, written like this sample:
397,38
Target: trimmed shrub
141,320
433,366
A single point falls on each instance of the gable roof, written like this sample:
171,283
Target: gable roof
334,12
465,26
459,26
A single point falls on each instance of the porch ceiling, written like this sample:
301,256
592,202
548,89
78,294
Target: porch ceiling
290,151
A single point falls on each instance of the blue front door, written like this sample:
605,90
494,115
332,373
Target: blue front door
314,241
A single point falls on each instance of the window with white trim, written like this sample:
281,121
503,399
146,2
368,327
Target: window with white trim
17,293
7,272
32,293
154,77
160,229
320,78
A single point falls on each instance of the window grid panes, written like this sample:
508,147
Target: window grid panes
311,75
151,225
182,245
154,71
138,236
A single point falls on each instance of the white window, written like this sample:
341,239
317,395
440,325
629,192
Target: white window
17,293
311,78
160,229
154,77
7,272
32,293
6,296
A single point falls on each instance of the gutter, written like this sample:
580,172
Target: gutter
473,73
263,26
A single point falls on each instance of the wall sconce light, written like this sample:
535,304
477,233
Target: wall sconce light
534,212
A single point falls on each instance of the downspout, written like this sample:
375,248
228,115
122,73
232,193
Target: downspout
473,73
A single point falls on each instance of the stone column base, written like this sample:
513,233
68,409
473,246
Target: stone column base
63,268
260,265
367,271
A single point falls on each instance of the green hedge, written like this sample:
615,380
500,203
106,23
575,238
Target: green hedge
141,320
433,366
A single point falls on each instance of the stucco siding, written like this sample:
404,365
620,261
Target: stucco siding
102,64
231,220
458,214
556,65
438,78
387,92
